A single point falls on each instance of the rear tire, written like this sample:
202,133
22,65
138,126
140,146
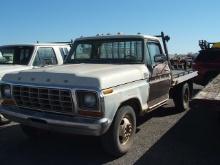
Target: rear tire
181,97
119,138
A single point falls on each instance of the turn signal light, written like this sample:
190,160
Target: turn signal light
107,91
8,102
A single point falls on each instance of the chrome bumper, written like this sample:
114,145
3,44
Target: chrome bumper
56,122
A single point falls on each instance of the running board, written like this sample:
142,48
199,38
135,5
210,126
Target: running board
157,105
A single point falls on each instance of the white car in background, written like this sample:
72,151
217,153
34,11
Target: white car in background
28,56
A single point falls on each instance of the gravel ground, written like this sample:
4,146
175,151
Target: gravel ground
163,137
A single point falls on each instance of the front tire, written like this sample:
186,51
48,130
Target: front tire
119,138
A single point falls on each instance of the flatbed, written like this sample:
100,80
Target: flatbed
209,96
180,76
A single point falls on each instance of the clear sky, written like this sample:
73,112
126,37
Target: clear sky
186,21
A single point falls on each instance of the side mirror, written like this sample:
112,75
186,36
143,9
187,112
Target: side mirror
160,58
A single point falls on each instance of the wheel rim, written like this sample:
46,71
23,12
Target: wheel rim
186,97
125,130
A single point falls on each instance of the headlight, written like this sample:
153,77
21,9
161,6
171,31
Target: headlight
90,100
6,91
87,100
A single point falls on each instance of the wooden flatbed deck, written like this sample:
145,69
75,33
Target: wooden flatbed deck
210,95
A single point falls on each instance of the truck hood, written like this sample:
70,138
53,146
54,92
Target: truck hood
4,69
99,76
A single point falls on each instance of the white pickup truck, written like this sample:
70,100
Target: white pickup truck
28,56
105,83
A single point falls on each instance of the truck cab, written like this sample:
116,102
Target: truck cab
105,83
141,51
28,56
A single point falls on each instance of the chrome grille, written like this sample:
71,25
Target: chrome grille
44,99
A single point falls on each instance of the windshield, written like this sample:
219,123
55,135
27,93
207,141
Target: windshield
107,51
19,55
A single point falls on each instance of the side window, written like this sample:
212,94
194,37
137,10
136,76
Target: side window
24,56
147,59
154,49
45,56
64,52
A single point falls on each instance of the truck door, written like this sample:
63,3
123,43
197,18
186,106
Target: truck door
160,78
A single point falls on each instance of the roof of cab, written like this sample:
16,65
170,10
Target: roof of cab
36,44
120,36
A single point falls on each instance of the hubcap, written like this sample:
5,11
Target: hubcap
125,130
186,96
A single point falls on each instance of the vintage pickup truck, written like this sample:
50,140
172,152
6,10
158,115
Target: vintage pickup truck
105,83
27,56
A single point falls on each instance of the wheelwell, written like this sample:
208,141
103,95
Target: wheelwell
178,88
134,103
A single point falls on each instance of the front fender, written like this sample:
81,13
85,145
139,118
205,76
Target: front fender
135,90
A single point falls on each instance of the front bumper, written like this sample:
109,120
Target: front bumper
56,122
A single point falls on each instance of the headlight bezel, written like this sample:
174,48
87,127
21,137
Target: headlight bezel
8,94
80,96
